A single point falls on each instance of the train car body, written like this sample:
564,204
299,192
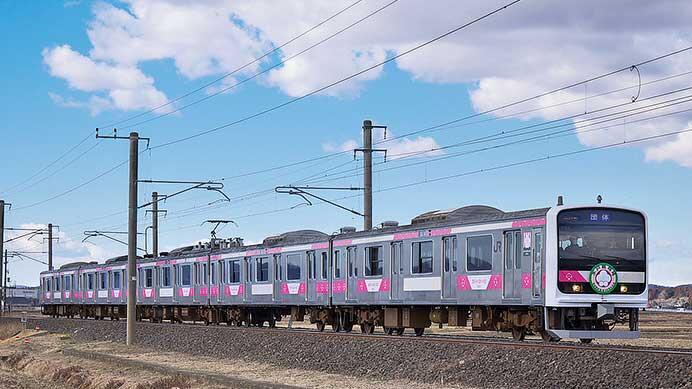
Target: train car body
563,272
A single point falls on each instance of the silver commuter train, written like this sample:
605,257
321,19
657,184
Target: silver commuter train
561,272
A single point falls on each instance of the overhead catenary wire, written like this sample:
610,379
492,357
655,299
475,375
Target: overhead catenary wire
266,70
467,117
224,76
238,69
340,81
48,166
514,133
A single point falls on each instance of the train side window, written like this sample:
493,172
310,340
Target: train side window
422,258
68,283
262,266
337,264
212,266
223,276
479,253
205,274
324,265
373,261
103,280
234,271
185,275
90,281
148,277
293,267
117,279
165,276
57,284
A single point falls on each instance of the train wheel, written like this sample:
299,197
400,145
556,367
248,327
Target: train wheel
272,323
419,331
389,331
348,327
586,340
320,325
336,327
400,331
518,333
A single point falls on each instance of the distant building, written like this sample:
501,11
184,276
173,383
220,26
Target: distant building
20,296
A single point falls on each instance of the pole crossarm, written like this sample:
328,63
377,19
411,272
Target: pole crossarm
208,185
23,254
115,136
106,234
302,191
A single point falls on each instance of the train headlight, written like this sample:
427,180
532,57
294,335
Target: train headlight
623,288
576,288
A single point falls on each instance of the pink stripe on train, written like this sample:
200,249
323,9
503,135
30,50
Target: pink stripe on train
529,222
571,276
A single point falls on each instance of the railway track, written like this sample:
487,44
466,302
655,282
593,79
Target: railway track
434,338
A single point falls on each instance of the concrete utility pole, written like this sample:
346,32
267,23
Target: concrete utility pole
367,172
2,229
367,175
2,291
50,247
132,240
4,284
155,223
131,230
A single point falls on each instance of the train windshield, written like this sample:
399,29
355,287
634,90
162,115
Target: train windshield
589,236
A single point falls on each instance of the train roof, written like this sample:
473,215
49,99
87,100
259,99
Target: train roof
467,215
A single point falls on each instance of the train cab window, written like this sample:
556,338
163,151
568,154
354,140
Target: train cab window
185,275
373,261
324,265
479,253
337,264
46,284
422,258
234,271
117,280
293,267
165,276
262,267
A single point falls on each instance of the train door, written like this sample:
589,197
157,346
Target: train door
245,276
277,276
311,283
396,269
537,263
351,263
512,265
449,266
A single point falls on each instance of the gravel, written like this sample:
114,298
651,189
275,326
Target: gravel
413,359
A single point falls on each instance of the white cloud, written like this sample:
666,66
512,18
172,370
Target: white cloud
127,87
679,150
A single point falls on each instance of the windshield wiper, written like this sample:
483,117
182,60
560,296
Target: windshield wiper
621,258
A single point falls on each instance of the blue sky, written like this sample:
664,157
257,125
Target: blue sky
78,65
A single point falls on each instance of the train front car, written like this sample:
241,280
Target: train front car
596,261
